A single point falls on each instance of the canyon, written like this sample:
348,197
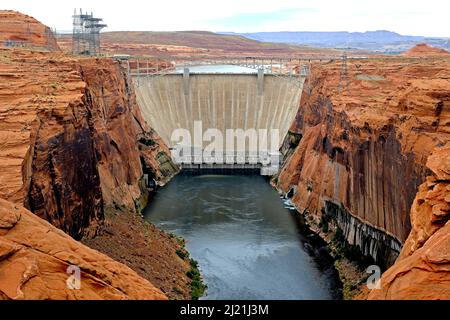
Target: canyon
366,163
74,111
421,272
360,148
76,152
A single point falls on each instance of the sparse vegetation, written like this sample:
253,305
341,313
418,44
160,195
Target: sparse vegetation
177,290
182,253
180,240
325,226
147,142
198,288
351,252
325,222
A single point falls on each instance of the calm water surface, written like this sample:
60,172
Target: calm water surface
247,244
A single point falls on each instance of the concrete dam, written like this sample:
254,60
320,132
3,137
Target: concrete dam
219,100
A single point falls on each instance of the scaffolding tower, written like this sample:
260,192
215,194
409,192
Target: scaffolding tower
86,33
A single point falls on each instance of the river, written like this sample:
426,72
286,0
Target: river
247,244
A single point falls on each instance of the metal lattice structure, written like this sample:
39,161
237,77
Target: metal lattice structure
344,82
285,68
86,33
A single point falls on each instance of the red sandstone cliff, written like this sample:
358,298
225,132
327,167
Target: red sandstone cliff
359,156
423,269
20,30
74,142
74,149
34,257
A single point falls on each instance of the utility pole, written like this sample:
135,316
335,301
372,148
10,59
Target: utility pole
344,80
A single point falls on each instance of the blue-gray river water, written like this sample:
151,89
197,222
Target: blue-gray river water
247,244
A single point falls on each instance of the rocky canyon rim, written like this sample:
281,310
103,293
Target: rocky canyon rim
366,163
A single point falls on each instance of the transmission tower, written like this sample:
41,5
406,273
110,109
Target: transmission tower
86,33
344,82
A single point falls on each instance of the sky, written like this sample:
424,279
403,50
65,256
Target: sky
407,17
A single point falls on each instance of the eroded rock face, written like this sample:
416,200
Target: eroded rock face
364,146
423,268
424,50
20,30
73,140
35,256
431,208
73,147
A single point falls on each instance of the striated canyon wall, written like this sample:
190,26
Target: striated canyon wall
75,151
73,139
358,148
423,268
19,30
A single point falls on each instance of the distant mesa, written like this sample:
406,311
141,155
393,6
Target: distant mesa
20,30
425,50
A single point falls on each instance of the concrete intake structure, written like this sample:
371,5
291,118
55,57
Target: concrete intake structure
219,101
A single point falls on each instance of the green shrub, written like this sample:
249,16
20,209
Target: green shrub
193,274
351,252
147,142
339,238
325,227
197,286
183,254
194,264
325,221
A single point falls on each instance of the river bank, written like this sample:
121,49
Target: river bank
248,246
152,253
329,249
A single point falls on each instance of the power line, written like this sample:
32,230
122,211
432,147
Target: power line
344,79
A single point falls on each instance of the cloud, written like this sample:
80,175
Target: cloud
415,17
258,21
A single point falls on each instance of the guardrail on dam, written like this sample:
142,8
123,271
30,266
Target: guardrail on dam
220,101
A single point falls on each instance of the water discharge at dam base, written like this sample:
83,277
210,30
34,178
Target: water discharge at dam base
248,245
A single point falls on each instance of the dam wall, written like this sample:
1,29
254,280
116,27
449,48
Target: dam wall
219,101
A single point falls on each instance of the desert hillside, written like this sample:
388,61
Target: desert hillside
19,30
424,50
198,44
